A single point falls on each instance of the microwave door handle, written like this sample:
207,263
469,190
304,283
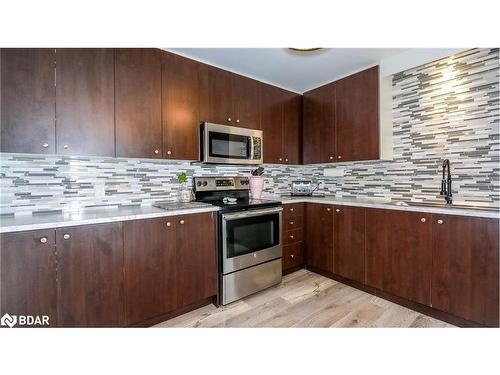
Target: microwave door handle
251,148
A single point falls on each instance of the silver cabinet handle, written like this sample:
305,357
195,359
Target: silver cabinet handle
229,119
169,152
237,120
66,236
43,240
157,152
331,157
337,210
291,236
328,209
339,157
181,221
281,159
292,256
291,222
169,223
291,209
440,221
423,220
286,159
65,147
45,145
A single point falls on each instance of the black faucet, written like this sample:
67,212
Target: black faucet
446,182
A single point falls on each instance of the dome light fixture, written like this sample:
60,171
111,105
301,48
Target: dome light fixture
304,49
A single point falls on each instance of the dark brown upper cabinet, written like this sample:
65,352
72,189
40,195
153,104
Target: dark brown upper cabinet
319,125
357,116
246,102
216,95
28,100
138,103
281,124
228,98
85,101
465,267
180,107
341,119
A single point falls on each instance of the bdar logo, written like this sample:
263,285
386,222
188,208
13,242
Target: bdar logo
8,320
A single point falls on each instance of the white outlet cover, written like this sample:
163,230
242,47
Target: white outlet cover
334,172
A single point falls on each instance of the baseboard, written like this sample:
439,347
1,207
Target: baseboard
292,270
427,310
172,314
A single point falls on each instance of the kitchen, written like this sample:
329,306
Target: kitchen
138,165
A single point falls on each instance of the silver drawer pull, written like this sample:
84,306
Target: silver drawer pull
337,210
440,221
291,222
45,145
169,223
291,236
43,240
292,256
181,221
423,220
66,236
157,152
328,209
291,209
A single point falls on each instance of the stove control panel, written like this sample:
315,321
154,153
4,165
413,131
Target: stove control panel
220,183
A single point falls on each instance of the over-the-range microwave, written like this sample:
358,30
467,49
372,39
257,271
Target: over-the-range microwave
224,144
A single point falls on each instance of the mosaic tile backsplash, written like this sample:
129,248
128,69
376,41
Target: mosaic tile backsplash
444,109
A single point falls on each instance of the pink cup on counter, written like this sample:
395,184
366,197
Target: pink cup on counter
256,186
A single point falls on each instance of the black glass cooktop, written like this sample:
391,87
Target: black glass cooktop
244,204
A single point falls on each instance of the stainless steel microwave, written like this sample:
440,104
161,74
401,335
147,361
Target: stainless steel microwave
224,144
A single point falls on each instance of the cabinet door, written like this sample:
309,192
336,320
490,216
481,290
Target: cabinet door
319,236
357,102
28,274
196,257
272,123
349,246
149,268
216,95
465,267
85,101
246,102
138,103
180,107
27,100
319,125
399,253
292,128
90,275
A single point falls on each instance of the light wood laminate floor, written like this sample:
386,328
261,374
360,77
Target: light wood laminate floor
306,299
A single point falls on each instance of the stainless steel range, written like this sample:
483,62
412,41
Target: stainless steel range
250,243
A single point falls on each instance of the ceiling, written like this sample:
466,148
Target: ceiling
292,70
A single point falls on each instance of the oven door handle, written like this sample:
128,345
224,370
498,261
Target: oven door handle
242,215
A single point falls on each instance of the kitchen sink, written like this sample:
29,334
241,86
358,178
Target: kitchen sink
445,205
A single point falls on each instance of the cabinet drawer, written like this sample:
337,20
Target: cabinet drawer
292,236
293,222
293,255
293,210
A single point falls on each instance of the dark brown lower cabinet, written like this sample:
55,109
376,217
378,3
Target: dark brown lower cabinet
319,236
399,253
196,257
465,267
349,254
149,252
170,263
90,276
28,274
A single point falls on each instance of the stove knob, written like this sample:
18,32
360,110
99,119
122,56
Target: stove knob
198,183
205,183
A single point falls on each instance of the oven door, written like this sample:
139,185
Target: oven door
250,238
231,145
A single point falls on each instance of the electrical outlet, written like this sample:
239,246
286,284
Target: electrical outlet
334,172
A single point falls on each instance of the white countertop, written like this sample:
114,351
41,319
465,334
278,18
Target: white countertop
385,204
91,216
106,215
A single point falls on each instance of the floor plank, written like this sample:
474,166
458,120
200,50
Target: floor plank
306,299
